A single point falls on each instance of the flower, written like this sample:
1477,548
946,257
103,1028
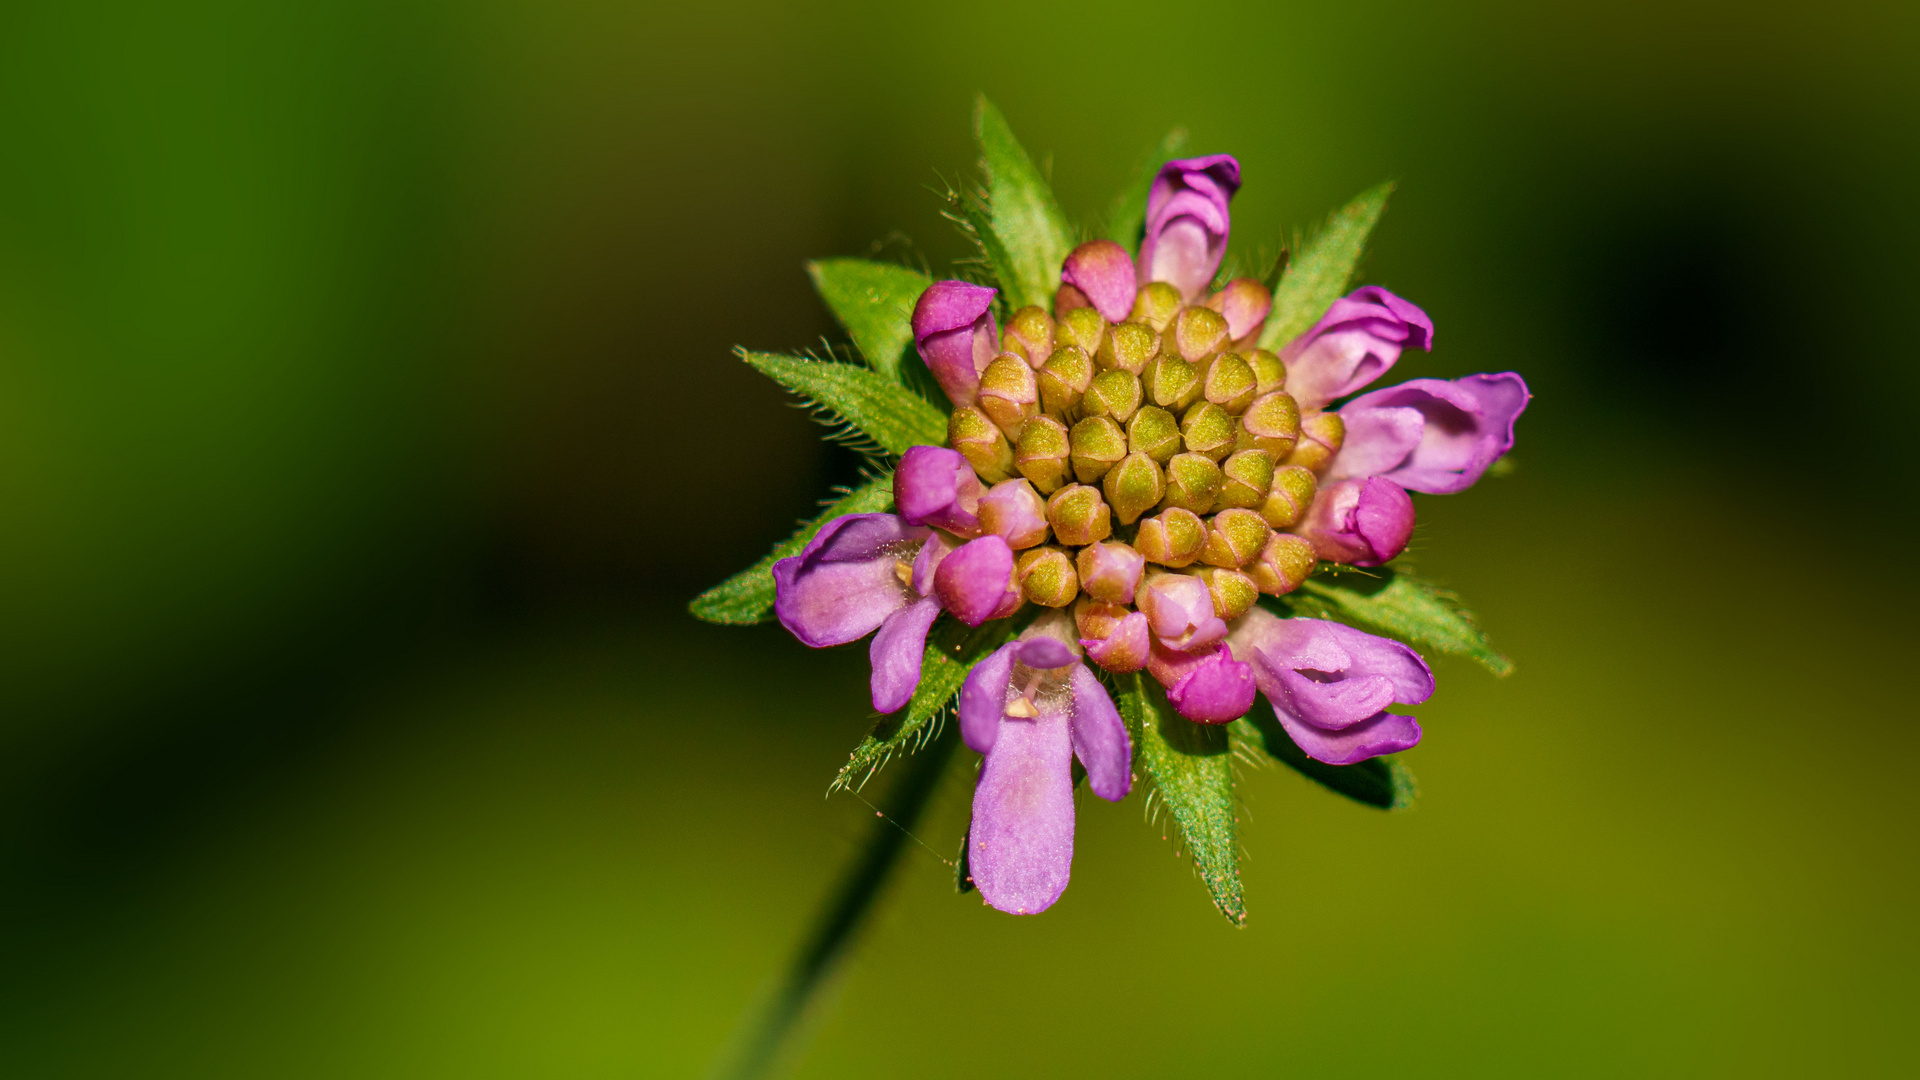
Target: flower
1361,522
1354,343
1330,684
1187,222
861,573
953,329
1032,707
1429,435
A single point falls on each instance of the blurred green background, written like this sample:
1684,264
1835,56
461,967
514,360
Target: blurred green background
353,358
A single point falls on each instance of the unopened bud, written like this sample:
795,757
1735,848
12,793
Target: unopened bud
1097,443
1233,592
1013,511
1156,304
1133,487
980,441
1171,537
1110,571
1321,434
1207,429
1029,335
1112,393
1079,516
1234,538
1046,576
1248,478
1283,564
1230,383
1081,328
1042,453
1269,374
1244,303
1289,497
1154,432
1128,346
1009,393
1063,378
1115,637
1271,423
1193,482
1195,334
1171,382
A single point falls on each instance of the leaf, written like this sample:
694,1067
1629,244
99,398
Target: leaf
1032,237
1128,217
886,412
1319,275
1191,767
874,301
747,597
1380,781
1400,605
952,650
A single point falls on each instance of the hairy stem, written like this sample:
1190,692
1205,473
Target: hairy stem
842,919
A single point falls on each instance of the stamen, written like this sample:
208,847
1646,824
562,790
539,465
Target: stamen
1022,708
903,570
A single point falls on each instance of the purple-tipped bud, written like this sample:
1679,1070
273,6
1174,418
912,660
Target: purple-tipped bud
1234,538
1193,483
1133,487
1079,516
1047,577
1112,393
1187,222
1171,538
1154,432
1115,638
975,583
1269,374
1245,304
1230,383
1170,382
1233,591
935,486
953,329
1207,429
981,442
1271,423
1208,686
1128,346
1322,434
1290,496
1012,511
1042,453
1103,272
1029,335
1283,564
1195,334
1179,610
1354,343
1097,443
1359,522
1246,478
1064,379
1081,328
1155,305
1110,572
1428,435
1009,394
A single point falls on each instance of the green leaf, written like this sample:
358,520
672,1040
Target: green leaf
1320,273
1191,767
878,407
1128,217
1380,781
747,597
1399,605
952,650
1031,236
874,301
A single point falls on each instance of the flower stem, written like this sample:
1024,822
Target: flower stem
842,919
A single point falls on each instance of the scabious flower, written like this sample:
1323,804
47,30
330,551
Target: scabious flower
1330,685
1428,435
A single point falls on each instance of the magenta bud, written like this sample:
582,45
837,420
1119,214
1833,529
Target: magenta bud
1187,222
1115,638
1103,272
935,486
1245,303
1359,522
954,331
1207,686
1179,609
1013,511
1111,571
976,582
